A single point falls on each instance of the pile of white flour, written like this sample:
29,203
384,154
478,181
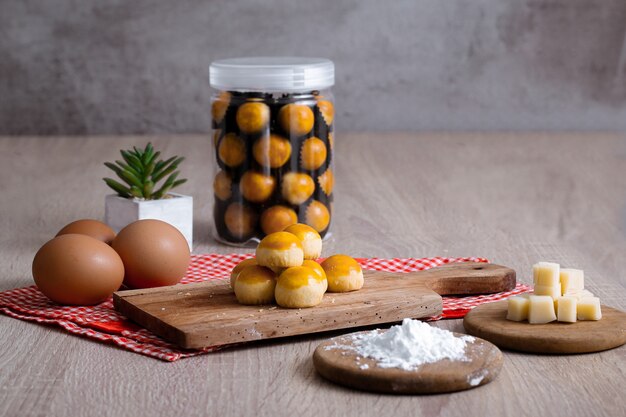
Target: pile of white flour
408,346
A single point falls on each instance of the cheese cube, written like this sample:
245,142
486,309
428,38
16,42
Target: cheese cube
546,273
588,308
553,291
566,311
572,279
518,308
541,309
586,293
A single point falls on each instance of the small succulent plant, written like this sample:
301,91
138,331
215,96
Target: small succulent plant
141,170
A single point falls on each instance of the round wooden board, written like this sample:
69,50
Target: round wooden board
489,322
344,367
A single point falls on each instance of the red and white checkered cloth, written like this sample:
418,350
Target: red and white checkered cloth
102,322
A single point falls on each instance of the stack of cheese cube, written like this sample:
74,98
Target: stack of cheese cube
559,295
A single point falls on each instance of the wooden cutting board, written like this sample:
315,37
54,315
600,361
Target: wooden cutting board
207,314
344,367
489,322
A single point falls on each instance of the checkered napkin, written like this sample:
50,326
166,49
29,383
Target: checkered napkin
101,322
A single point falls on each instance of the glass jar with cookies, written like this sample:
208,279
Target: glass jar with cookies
273,122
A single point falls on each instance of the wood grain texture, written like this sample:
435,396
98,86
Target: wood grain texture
207,314
512,198
334,360
489,322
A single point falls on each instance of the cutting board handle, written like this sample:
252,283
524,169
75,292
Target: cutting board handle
464,278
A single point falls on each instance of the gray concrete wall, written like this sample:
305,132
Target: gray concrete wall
119,66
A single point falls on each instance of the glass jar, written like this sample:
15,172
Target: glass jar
273,122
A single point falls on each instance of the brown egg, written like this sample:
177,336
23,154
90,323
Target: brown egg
312,153
328,111
240,220
271,151
276,218
253,117
154,253
232,150
326,181
317,216
297,187
89,227
220,106
257,187
77,270
296,119
222,185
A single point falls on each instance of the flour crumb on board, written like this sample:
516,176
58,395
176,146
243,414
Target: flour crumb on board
476,378
406,346
255,333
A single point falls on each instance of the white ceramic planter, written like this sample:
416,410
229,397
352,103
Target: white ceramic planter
177,211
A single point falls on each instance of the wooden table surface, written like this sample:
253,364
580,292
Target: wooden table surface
513,198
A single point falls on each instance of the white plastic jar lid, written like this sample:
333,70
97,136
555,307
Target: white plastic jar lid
288,74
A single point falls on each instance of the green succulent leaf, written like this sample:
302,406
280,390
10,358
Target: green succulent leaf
162,165
131,179
167,171
117,187
132,160
136,192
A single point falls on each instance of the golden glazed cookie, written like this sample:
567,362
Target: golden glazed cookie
318,270
313,153
343,273
271,151
276,218
296,119
240,220
257,187
327,110
311,240
253,117
297,187
255,285
238,268
326,181
317,216
280,250
222,186
232,150
220,106
299,287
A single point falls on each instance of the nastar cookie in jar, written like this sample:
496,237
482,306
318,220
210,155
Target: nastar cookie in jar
232,150
313,153
297,187
277,218
296,119
317,216
253,117
257,187
272,151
